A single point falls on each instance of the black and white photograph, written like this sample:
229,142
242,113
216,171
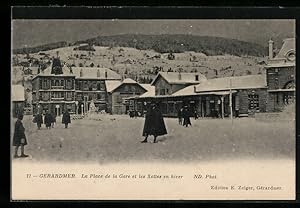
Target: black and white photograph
145,109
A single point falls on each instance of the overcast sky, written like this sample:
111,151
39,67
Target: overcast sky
37,32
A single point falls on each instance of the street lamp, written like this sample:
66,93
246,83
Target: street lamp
39,111
57,107
82,109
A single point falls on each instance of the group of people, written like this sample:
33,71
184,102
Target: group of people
184,116
50,119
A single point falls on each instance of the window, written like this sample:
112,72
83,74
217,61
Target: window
80,85
85,86
69,84
162,91
197,77
126,88
253,102
44,84
61,82
119,99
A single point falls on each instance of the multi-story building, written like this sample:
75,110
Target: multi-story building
280,72
60,88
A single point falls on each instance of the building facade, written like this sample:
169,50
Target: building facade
280,72
167,83
118,94
60,88
211,98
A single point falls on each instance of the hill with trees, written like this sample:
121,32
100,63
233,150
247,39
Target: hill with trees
168,43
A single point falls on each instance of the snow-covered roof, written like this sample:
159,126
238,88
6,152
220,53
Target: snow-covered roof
189,90
150,90
112,84
85,72
95,73
239,82
180,78
17,93
129,81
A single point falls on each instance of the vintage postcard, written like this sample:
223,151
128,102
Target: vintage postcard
164,109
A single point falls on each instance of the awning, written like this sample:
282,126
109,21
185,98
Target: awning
226,92
282,90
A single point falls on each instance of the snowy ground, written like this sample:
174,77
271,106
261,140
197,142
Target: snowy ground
115,138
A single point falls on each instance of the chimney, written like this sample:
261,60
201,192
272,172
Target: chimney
179,75
196,77
105,74
57,53
80,74
98,73
271,43
194,88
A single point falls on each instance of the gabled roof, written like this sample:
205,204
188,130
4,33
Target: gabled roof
129,81
288,45
150,90
112,85
180,78
17,93
239,82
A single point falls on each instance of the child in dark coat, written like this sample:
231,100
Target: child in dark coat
19,138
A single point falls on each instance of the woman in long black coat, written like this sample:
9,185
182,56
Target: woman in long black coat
154,123
66,119
186,117
19,138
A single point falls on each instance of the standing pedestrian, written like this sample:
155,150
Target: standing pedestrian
186,116
19,138
154,123
48,119
38,119
195,114
66,119
179,115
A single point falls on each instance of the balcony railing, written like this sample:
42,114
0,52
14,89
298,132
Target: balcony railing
61,98
57,87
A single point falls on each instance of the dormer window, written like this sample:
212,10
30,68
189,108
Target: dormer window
196,77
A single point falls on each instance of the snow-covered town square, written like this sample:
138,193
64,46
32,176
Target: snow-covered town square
114,109
104,138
